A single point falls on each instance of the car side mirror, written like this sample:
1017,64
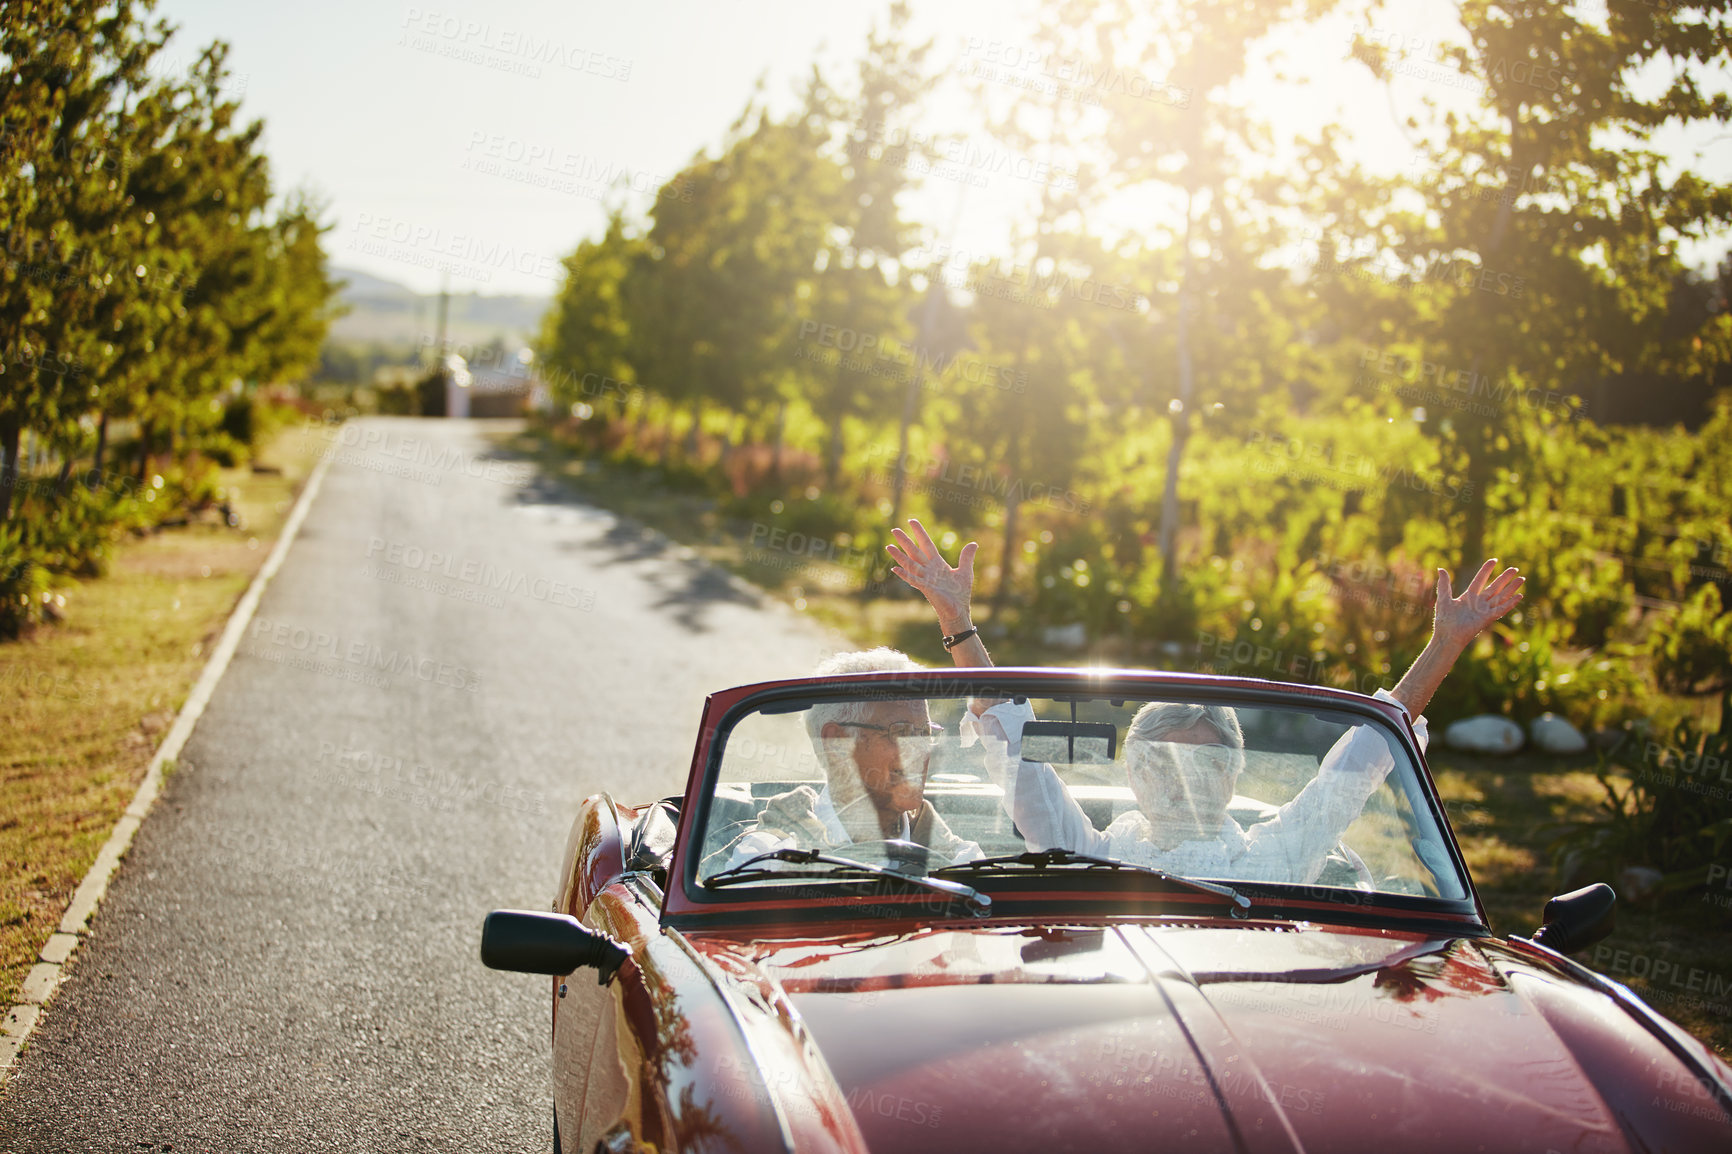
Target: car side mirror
531,942
1576,920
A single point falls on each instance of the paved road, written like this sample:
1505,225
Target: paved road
287,958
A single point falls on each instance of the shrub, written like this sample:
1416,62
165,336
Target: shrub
179,490
1602,691
1072,582
225,450
238,423
1691,648
23,584
56,534
1593,598
825,517
1674,816
69,535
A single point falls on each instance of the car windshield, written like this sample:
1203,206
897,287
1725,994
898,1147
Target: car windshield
1195,788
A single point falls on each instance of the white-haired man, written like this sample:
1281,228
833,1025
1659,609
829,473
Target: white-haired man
875,756
1183,760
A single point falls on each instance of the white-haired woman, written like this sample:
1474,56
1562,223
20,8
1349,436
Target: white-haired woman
1183,761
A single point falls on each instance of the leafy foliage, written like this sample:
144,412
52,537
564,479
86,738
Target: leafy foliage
148,278
1247,436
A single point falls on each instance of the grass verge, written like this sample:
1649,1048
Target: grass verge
87,701
1504,810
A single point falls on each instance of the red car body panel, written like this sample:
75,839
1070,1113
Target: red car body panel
805,1028
645,1051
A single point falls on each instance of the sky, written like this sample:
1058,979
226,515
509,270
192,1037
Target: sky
470,142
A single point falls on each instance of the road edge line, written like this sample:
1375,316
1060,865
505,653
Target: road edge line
45,976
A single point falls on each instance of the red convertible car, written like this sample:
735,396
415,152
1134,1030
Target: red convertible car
1035,909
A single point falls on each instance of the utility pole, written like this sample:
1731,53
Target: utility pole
444,304
441,371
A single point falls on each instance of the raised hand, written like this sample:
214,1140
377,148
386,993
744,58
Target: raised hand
1459,619
948,589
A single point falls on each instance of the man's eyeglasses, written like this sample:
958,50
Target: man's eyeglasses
906,729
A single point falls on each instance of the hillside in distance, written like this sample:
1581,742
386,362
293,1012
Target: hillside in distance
384,312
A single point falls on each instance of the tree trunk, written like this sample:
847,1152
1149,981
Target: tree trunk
911,398
1017,416
692,443
9,433
833,454
1180,421
727,454
1016,419
95,477
1007,562
781,433
1479,446
1479,472
1012,502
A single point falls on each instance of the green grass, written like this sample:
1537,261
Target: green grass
88,700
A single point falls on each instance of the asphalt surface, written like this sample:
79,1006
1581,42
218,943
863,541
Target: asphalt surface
287,958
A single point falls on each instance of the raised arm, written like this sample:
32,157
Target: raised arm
1291,846
948,589
1034,796
1457,621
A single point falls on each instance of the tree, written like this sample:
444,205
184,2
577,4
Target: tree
586,335
886,153
63,205
712,306
1547,244
1192,141
1031,312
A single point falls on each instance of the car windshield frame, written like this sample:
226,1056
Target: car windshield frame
688,901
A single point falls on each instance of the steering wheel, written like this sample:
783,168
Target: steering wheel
893,853
1345,869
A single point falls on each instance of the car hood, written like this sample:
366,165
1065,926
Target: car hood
1212,1037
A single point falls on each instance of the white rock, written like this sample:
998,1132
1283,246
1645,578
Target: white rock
1065,636
1556,735
1639,884
1487,733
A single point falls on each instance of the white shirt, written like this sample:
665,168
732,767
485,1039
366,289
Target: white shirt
1290,847
763,841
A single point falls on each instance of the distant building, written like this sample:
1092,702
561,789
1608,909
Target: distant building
503,386
458,385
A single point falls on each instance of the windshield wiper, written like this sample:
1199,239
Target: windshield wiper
1047,858
750,871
